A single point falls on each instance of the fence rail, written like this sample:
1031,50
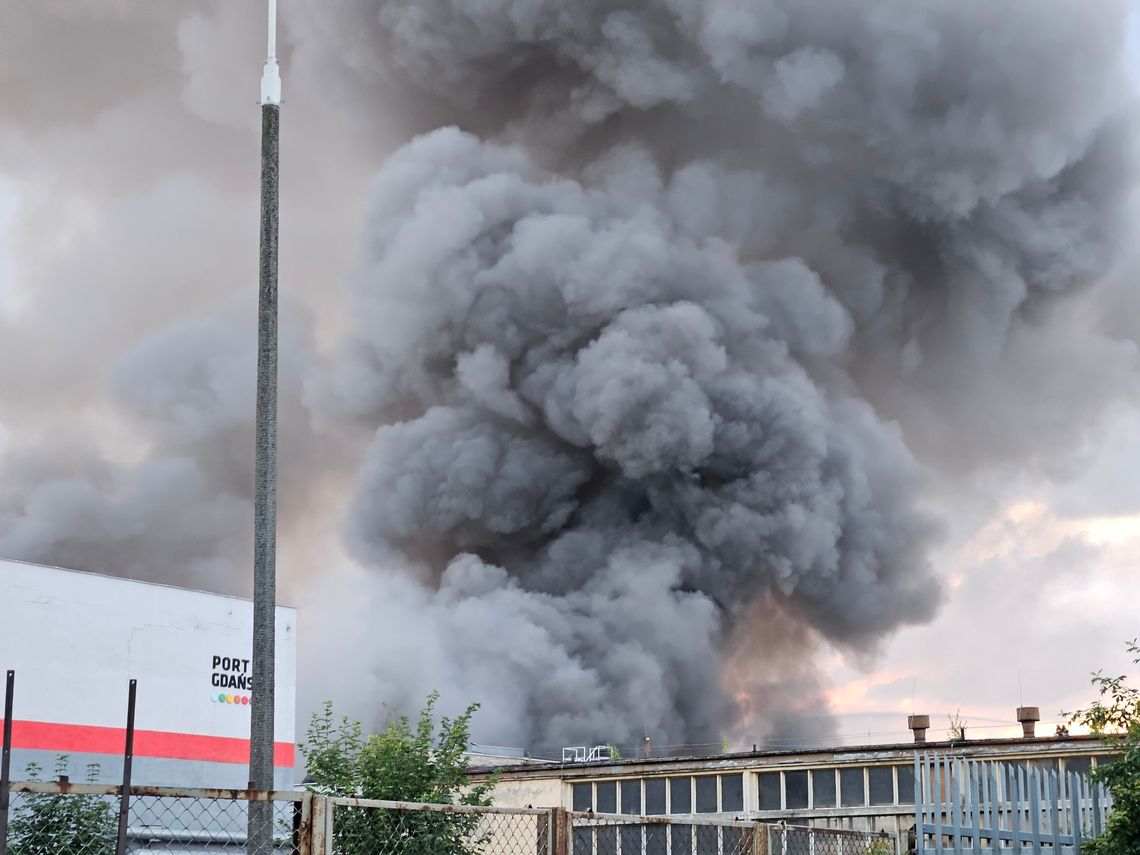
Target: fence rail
48,818
987,808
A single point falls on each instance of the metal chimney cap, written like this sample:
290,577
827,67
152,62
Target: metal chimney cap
1025,714
917,721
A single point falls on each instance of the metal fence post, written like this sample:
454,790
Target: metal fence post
759,834
6,760
560,832
303,834
544,828
319,840
128,756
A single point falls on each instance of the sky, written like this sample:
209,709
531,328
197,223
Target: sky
128,218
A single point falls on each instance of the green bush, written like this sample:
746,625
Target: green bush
51,824
424,764
1115,716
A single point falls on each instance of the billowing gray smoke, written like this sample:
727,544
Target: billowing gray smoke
654,358
591,389
631,359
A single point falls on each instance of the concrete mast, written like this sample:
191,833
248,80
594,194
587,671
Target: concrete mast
265,463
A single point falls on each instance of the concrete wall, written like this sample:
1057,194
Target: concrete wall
540,792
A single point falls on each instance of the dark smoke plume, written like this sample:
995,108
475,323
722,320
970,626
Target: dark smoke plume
639,358
656,351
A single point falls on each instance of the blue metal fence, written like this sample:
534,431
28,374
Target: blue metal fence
985,808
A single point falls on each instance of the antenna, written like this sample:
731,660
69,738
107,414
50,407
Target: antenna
270,77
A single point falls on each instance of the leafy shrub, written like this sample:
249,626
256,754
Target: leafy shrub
50,824
424,764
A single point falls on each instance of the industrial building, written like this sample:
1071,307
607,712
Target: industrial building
869,788
75,640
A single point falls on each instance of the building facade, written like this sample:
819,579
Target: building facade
75,640
869,788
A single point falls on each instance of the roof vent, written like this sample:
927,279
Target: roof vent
1028,716
919,724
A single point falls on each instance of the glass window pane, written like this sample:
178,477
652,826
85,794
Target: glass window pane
881,782
1104,759
607,796
906,784
631,796
1080,765
769,787
607,841
706,793
850,787
729,840
583,839
583,797
680,796
795,790
731,792
655,796
655,839
823,788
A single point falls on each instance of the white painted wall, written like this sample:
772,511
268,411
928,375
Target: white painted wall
530,792
75,639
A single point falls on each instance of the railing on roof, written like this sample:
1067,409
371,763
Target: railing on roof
580,754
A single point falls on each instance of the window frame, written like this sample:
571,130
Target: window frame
834,770
894,786
784,788
839,791
779,773
716,793
720,792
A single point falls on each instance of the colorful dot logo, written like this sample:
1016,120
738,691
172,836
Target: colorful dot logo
223,698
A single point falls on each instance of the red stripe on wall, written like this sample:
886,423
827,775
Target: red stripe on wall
50,736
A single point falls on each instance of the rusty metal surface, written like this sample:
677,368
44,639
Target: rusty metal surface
420,806
591,817
65,787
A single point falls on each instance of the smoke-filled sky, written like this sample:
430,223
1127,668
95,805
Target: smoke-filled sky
684,368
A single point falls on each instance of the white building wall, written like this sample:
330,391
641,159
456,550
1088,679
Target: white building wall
535,792
76,639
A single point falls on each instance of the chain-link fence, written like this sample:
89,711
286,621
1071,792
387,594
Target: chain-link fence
369,827
84,819
614,834
801,840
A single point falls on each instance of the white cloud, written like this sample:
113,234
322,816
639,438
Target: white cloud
1038,601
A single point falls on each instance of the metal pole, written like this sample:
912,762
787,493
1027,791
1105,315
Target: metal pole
265,463
6,759
265,485
128,757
